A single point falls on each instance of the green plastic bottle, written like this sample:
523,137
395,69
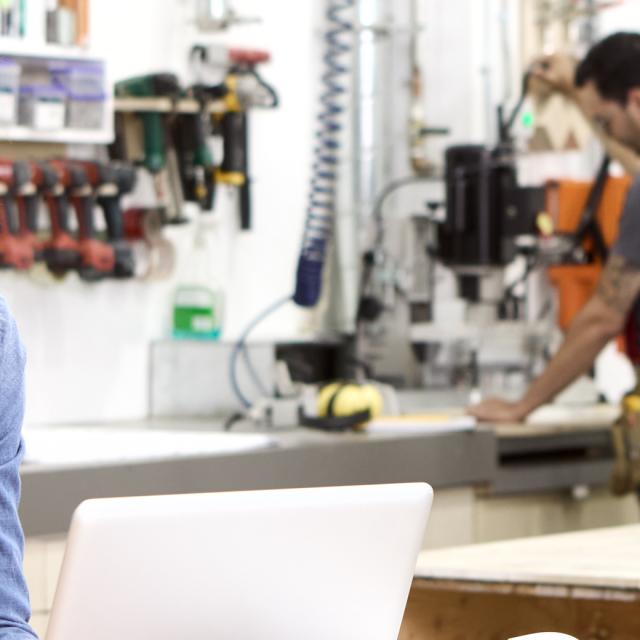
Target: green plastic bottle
198,301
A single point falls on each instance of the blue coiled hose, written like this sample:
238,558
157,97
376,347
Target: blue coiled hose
322,199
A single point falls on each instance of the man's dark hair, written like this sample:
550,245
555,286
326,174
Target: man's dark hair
613,64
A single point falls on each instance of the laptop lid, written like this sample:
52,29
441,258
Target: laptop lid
305,563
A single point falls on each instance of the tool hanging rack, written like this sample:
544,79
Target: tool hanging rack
166,105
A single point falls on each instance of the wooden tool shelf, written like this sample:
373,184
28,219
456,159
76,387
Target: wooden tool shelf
164,105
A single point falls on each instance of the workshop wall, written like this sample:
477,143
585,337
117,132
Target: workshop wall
88,345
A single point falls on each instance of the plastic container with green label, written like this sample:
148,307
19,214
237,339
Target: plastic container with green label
196,313
198,301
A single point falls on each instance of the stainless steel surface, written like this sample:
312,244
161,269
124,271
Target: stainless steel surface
301,459
553,460
551,477
507,460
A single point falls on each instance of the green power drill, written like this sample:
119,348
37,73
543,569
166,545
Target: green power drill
157,154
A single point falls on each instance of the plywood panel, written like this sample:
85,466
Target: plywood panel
436,613
602,558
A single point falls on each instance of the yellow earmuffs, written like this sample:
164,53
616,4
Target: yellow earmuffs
345,405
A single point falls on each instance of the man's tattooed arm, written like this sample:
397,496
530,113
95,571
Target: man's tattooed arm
601,320
619,284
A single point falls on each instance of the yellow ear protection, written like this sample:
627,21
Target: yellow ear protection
345,405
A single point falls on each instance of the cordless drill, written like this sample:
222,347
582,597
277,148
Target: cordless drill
151,86
243,88
28,200
15,251
190,132
159,159
97,259
61,252
111,182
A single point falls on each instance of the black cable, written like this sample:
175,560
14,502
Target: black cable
275,99
243,69
232,419
531,265
523,95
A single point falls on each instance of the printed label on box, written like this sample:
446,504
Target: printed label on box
48,115
8,107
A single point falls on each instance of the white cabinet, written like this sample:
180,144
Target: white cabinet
42,563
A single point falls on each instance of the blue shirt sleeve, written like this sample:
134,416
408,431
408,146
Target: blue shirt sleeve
15,609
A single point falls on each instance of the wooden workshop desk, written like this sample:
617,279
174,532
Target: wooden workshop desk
585,584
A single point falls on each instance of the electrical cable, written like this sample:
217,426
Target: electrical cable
232,419
275,98
241,344
321,207
243,69
253,373
372,255
392,187
529,268
505,126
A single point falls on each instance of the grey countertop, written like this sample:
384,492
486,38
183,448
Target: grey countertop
299,458
498,461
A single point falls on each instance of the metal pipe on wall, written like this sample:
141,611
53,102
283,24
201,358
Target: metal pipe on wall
374,87
366,166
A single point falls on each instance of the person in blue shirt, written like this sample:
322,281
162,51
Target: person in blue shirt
15,609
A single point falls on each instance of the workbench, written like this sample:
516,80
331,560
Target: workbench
451,462
498,463
547,456
585,584
296,458
490,483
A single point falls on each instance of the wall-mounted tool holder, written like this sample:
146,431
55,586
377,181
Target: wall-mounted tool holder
168,129
66,243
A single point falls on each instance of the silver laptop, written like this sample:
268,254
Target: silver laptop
318,564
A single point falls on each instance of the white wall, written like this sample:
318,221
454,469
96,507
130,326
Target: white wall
88,344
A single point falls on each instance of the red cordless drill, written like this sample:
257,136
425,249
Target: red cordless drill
25,193
111,182
15,251
61,252
97,259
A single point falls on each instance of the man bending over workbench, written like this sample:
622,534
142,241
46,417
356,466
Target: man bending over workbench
606,87
14,599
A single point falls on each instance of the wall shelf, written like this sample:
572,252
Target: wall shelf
25,48
164,105
63,136
29,54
